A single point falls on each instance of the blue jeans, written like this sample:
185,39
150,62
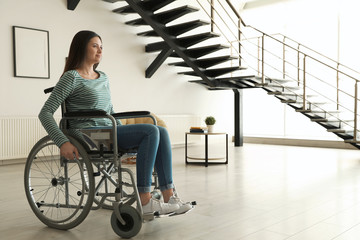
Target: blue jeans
154,150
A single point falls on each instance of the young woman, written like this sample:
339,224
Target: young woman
85,88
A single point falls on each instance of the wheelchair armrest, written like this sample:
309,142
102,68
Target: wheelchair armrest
130,114
95,113
135,114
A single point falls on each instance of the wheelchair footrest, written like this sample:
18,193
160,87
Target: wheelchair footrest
152,216
148,216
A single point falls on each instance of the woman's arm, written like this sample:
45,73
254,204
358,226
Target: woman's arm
60,92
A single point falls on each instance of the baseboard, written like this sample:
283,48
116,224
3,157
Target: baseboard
299,142
12,161
256,140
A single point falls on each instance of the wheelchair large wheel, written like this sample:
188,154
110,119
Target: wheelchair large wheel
132,220
59,191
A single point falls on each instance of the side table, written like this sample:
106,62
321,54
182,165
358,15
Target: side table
207,158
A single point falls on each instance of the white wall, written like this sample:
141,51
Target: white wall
124,61
166,92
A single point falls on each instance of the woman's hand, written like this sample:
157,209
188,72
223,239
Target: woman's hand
67,150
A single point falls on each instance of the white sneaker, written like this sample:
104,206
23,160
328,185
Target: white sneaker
183,206
155,205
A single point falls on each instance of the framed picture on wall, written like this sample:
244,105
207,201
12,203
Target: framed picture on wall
31,52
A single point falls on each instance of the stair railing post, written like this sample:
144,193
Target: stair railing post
239,38
355,110
284,56
304,83
337,86
263,59
212,15
298,64
258,62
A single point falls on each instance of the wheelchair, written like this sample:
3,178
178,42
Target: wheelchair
61,192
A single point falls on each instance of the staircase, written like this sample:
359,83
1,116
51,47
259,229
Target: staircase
233,55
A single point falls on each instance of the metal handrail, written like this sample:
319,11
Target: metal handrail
297,50
299,44
281,42
300,49
320,54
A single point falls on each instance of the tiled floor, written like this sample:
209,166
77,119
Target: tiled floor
266,192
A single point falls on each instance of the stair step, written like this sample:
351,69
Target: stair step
339,130
237,82
206,62
148,5
184,42
345,136
304,110
124,10
201,51
318,111
290,94
242,81
279,93
201,82
352,141
326,120
319,114
113,1
155,47
214,72
176,30
290,97
309,105
195,39
288,100
166,16
154,5
272,80
226,83
275,88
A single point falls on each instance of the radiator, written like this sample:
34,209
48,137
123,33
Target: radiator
19,134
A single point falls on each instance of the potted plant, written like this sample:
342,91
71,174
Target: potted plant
210,121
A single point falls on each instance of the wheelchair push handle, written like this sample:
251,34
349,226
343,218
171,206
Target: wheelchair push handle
48,90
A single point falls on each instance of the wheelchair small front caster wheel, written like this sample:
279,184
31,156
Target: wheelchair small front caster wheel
132,220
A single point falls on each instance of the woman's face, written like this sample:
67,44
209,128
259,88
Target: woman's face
94,50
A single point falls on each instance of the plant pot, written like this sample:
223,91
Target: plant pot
210,128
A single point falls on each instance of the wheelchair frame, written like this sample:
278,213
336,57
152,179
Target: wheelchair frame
62,192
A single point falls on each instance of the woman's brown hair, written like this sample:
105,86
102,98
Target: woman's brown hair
77,52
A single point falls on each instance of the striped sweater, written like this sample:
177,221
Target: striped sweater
79,94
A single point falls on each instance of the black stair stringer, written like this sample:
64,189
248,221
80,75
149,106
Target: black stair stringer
159,29
163,55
